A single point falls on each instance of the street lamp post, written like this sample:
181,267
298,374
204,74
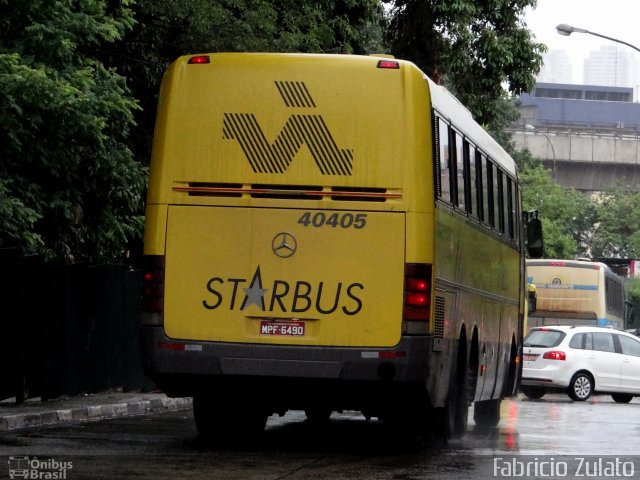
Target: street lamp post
566,30
531,128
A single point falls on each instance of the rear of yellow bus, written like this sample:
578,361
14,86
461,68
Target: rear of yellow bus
289,235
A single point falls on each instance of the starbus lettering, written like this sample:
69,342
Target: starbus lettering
283,296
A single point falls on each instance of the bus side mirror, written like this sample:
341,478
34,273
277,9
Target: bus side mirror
535,241
532,301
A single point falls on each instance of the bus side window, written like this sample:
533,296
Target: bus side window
491,195
480,186
513,207
470,179
508,206
499,205
458,187
444,160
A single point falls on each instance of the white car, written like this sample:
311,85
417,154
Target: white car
581,361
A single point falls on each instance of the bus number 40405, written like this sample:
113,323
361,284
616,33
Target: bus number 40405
343,220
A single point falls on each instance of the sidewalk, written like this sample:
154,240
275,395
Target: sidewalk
83,408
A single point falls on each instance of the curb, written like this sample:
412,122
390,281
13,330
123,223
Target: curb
10,423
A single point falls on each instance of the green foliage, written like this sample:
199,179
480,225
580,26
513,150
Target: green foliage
18,221
478,46
70,187
567,215
166,29
632,288
617,231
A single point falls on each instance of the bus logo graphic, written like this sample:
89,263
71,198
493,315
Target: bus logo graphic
299,130
19,467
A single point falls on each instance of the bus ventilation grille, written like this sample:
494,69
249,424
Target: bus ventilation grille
289,192
438,326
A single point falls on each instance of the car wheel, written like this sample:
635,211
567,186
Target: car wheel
533,393
580,386
621,397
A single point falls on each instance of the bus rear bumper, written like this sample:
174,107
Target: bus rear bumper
186,368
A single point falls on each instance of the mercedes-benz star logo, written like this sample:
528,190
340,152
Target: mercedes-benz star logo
284,245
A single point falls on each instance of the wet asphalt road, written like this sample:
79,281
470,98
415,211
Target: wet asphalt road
553,435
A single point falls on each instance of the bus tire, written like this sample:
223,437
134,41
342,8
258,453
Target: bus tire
621,397
534,393
318,415
486,413
451,420
226,420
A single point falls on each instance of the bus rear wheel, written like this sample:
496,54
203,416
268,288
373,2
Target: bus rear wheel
226,420
318,415
486,413
621,397
533,393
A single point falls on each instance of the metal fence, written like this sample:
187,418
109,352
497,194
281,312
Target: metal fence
67,329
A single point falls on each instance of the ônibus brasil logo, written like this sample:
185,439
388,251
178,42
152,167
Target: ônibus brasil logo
309,130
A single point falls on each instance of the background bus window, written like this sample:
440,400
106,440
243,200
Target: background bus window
443,158
458,188
614,292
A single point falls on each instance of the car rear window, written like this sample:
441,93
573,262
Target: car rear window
544,338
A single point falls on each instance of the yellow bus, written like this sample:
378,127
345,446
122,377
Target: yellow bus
327,233
576,292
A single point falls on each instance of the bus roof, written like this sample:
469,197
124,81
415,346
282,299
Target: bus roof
450,107
566,263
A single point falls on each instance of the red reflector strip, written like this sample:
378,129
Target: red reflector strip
171,346
389,64
389,355
199,59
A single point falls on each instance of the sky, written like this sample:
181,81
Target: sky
614,18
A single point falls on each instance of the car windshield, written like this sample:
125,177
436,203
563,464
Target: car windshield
544,338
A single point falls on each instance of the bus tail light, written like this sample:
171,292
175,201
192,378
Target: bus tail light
555,355
153,290
417,298
199,60
389,64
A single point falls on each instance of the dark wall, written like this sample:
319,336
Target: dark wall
67,329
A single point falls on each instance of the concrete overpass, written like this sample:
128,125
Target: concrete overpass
587,159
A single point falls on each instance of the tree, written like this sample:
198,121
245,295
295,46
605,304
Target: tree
478,46
617,231
69,185
567,215
167,29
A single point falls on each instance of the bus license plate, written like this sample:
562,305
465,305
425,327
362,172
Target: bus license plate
287,329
